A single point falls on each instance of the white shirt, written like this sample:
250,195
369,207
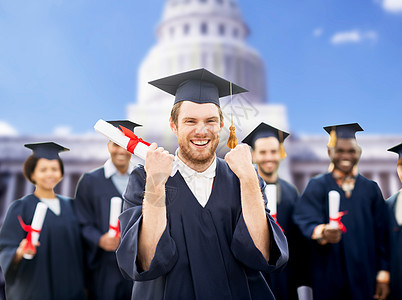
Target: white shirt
200,184
119,180
53,204
398,209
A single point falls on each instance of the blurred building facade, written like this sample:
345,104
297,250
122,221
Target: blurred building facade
194,34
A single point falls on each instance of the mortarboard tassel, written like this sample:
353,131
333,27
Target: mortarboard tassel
332,138
232,141
281,147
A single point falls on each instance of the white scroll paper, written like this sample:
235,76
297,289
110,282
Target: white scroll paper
115,209
334,199
270,192
116,136
37,223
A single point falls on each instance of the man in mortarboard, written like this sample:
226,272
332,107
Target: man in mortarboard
205,232
94,192
267,152
350,260
395,226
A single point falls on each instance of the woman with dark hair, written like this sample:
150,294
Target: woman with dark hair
55,269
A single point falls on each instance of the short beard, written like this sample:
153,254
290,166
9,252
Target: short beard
185,154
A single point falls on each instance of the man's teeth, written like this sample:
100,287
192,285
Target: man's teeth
345,163
200,143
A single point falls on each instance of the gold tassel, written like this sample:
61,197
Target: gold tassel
282,151
332,139
232,141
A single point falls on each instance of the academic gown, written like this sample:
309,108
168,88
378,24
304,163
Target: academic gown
284,282
395,231
93,195
56,271
350,266
204,252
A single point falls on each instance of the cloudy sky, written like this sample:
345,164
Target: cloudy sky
66,63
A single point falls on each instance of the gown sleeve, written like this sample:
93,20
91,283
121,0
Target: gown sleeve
308,211
130,221
11,235
245,250
85,213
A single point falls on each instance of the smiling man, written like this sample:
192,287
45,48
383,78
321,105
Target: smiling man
95,189
267,152
203,233
354,263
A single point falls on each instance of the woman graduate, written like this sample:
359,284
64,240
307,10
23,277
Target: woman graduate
55,270
395,231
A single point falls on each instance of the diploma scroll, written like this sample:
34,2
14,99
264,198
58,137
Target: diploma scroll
304,293
270,192
333,198
36,226
131,142
115,209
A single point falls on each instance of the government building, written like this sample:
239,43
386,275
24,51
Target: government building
195,34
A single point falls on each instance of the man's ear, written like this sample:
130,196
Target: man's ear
172,126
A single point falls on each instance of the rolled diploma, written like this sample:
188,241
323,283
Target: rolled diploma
37,223
116,136
270,192
115,209
333,198
305,293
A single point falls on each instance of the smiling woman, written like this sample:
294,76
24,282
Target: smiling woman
46,276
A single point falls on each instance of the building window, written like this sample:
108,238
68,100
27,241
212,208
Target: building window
219,1
203,1
186,29
204,28
221,29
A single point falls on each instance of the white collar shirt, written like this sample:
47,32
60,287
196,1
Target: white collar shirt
200,184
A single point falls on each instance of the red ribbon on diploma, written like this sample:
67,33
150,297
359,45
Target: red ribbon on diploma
29,229
338,220
134,140
116,228
276,221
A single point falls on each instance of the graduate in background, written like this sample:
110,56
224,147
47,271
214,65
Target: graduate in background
94,192
395,210
56,270
205,232
352,263
267,152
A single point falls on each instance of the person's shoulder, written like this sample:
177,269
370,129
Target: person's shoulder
287,185
63,198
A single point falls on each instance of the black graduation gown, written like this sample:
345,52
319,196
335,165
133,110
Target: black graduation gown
348,269
205,252
284,282
56,271
93,195
395,231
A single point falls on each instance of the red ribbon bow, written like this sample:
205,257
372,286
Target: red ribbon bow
116,228
338,220
276,221
134,140
29,229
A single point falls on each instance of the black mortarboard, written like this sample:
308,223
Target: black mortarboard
264,130
397,149
48,150
199,86
343,131
125,123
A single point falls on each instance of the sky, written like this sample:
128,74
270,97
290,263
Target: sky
64,64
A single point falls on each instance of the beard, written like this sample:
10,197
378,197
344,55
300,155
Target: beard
191,156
